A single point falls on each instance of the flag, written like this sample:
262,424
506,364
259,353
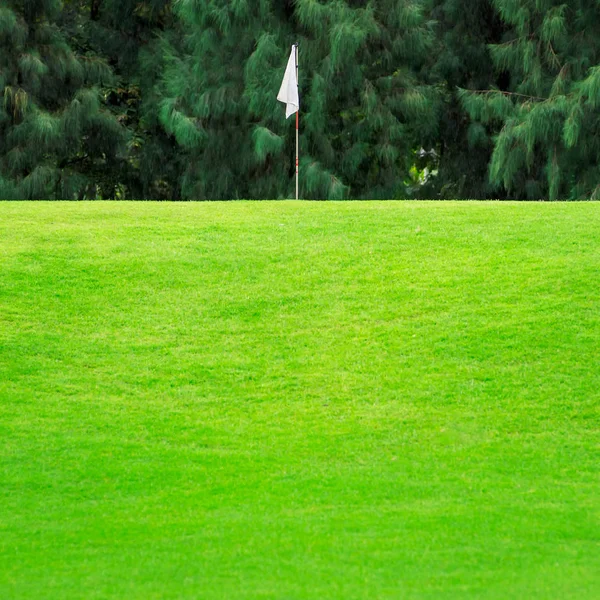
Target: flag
288,94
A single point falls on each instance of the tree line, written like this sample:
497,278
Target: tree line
163,99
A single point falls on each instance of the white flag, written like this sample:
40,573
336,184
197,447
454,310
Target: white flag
288,94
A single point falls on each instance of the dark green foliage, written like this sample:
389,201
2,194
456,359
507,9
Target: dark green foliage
54,133
461,59
126,33
175,99
361,103
546,119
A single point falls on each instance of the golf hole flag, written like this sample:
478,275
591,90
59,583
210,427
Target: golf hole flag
288,94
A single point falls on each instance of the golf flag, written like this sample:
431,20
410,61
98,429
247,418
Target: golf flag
288,94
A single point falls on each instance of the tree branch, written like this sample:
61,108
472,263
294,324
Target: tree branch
536,98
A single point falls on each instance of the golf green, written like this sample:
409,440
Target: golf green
299,400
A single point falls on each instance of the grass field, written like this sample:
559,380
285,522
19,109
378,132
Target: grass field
299,401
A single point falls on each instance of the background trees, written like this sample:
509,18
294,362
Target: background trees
461,60
130,35
362,105
176,100
56,138
546,117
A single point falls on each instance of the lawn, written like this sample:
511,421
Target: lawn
299,401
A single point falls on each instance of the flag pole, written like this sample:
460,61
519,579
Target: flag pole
289,94
297,129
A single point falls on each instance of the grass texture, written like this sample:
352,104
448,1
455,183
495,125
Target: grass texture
299,401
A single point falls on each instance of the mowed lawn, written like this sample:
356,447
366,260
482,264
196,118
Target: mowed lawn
299,400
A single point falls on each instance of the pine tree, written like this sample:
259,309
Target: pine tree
547,122
366,110
127,33
362,108
461,59
56,139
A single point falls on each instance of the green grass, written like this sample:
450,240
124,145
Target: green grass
299,401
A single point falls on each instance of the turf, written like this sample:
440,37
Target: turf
299,401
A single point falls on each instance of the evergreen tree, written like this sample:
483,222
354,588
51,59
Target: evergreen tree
127,33
461,59
547,122
56,140
362,109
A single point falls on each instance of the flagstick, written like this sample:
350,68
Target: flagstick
297,130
